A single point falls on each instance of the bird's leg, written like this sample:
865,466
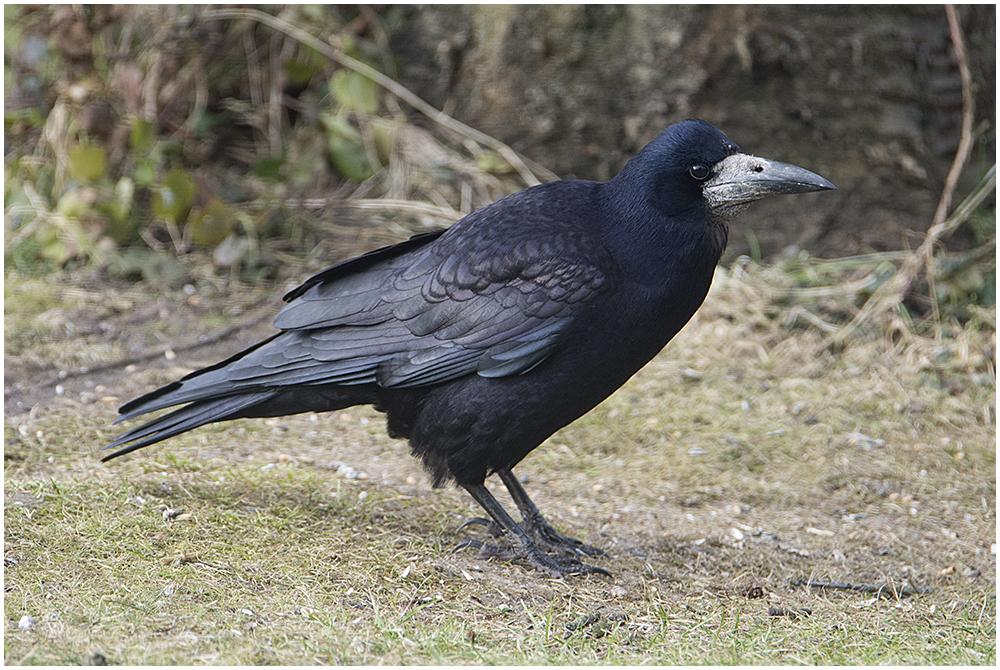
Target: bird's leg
557,566
537,527
533,523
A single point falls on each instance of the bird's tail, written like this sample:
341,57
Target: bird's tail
256,389
236,402
191,416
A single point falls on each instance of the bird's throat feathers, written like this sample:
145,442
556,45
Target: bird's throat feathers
669,245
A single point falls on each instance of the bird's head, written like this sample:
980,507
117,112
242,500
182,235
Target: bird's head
695,166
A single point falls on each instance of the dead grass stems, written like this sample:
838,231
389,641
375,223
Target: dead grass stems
889,296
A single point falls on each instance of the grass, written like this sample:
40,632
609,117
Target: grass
747,457
744,458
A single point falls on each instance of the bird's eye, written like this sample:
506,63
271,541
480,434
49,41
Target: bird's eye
699,172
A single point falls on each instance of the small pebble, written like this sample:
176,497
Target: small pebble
819,531
26,622
690,375
869,443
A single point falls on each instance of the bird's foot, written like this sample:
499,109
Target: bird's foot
552,541
547,537
555,566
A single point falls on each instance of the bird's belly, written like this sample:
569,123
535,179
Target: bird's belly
466,429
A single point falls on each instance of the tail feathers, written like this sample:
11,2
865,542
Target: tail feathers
199,385
142,405
184,419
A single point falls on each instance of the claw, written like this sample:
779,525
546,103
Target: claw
490,550
465,544
476,521
532,538
561,566
554,566
547,537
551,540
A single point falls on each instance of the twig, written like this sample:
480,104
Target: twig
274,95
158,352
968,116
887,590
800,311
37,205
195,71
414,206
388,84
961,156
792,614
894,290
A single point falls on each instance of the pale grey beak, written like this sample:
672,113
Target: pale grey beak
740,179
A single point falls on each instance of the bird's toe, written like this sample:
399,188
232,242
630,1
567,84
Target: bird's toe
553,541
490,550
554,566
492,529
562,566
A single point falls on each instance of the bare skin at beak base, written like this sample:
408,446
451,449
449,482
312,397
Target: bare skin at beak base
740,179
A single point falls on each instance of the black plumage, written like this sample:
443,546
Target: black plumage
480,341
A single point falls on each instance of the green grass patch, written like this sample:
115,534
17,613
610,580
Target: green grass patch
736,464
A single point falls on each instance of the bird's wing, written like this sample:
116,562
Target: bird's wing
459,305
475,299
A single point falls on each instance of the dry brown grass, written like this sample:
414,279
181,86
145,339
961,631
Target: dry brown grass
747,456
766,445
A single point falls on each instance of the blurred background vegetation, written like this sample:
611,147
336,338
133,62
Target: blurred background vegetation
136,135
171,170
162,143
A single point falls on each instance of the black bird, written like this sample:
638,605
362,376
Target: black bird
480,341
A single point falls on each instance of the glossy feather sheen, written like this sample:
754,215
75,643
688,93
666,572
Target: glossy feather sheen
481,341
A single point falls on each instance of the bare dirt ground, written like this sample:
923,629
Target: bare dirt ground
739,466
